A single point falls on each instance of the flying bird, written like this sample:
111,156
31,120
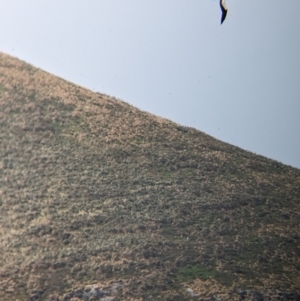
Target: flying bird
224,10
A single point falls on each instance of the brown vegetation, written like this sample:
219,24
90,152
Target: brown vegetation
96,192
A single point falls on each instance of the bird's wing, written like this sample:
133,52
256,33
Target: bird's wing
224,10
223,16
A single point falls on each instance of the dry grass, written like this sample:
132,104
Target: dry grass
94,190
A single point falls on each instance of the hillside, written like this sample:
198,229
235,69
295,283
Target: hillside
102,201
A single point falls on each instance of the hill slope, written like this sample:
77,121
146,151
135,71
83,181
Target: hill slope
101,201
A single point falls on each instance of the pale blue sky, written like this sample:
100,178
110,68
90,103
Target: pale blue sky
239,82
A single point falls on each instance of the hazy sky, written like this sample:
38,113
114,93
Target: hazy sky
239,82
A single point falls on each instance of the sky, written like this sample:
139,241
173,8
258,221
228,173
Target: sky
238,82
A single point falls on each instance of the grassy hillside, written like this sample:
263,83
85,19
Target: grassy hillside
101,201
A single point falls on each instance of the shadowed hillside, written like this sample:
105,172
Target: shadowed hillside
101,201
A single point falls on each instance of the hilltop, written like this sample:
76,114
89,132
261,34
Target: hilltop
102,201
